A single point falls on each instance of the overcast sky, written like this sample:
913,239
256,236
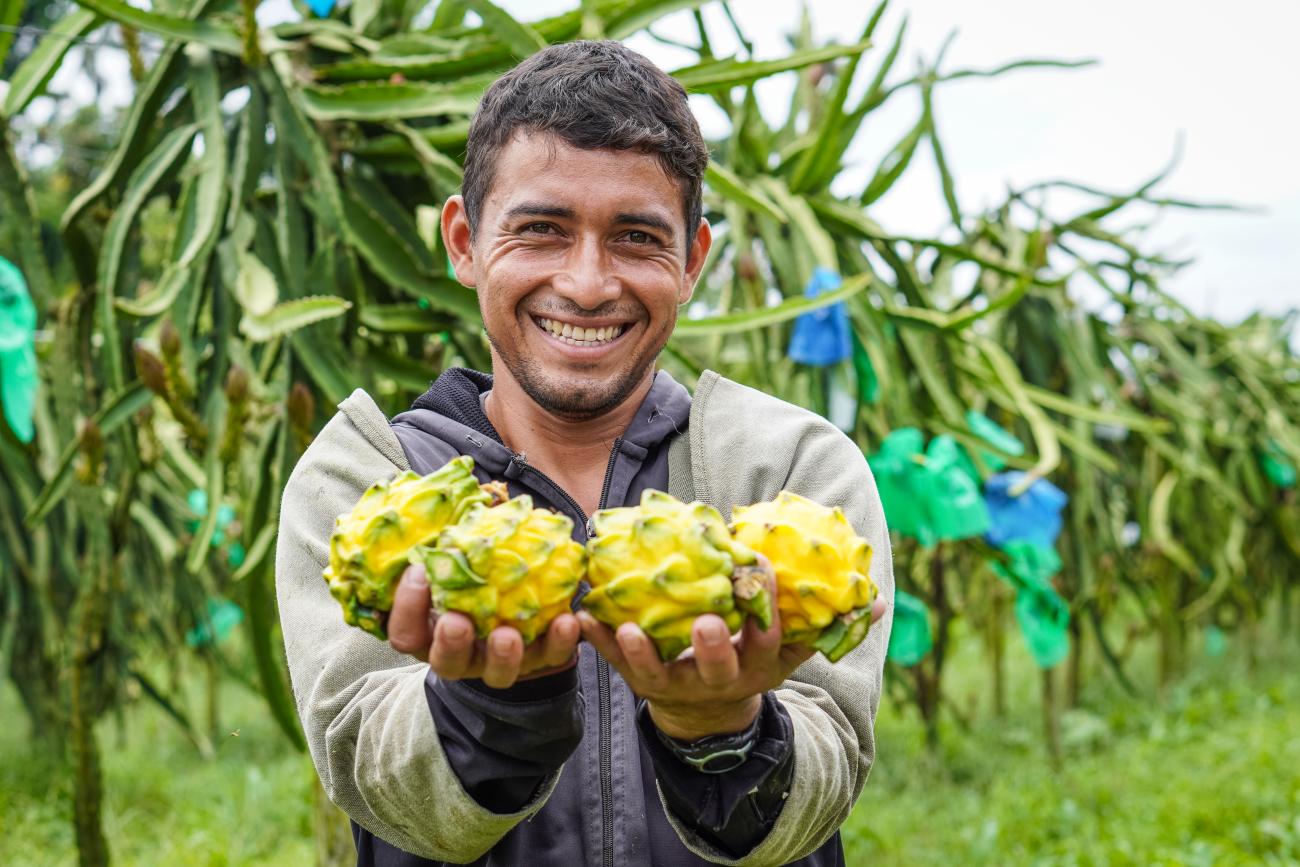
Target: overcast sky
1225,77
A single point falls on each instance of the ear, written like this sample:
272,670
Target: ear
696,255
458,240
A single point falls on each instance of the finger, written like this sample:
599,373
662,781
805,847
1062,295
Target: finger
641,658
601,637
761,647
452,654
878,609
560,641
792,656
408,622
715,657
505,650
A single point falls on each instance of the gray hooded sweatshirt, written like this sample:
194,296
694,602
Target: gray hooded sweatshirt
565,769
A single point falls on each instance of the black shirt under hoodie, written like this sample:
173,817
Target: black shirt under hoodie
503,743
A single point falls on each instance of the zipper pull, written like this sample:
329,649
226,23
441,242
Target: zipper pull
515,469
591,528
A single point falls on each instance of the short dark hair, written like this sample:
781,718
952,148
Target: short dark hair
593,95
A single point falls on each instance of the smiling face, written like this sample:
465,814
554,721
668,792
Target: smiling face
580,258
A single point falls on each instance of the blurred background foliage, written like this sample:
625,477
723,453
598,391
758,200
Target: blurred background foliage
256,235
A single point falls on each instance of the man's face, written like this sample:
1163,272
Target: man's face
580,259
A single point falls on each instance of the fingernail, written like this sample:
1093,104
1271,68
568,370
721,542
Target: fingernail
415,577
500,642
713,633
455,630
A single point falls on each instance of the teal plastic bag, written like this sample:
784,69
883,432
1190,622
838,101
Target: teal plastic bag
910,638
955,505
927,495
18,379
1043,616
893,467
1044,619
222,617
995,435
1030,563
1277,467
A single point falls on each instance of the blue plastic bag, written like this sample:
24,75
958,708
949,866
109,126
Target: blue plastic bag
822,337
1034,516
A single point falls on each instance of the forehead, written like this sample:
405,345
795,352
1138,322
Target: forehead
593,183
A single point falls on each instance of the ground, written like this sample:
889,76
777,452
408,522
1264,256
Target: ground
1210,777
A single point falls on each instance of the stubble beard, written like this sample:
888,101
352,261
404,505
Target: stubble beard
569,400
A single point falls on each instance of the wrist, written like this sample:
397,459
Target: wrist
694,723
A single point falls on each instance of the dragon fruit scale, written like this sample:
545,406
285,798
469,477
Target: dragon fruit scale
824,591
663,563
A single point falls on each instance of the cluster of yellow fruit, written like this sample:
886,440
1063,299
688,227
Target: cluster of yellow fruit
660,564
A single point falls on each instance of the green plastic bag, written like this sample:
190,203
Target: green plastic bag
927,494
893,467
868,382
955,504
223,616
1277,467
1043,616
1031,563
910,638
1044,619
18,380
1216,643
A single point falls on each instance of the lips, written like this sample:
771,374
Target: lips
577,335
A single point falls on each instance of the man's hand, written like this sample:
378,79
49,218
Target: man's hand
715,690
448,644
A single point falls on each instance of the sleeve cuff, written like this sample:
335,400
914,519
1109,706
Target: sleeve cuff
738,807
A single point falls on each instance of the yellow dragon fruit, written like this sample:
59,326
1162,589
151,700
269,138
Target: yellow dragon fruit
508,565
664,563
370,544
824,591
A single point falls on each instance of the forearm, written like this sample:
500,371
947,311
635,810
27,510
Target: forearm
735,810
363,705
504,743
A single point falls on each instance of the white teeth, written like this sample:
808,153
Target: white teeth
578,335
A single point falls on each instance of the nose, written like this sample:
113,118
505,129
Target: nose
587,277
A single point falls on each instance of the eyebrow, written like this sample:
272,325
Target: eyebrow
650,221
536,209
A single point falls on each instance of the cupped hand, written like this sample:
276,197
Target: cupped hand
714,689
448,643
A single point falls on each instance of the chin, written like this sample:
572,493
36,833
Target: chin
579,397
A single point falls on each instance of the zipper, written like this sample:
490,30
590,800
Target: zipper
602,667
606,713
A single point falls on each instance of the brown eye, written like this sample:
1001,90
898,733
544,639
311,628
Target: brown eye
540,228
639,238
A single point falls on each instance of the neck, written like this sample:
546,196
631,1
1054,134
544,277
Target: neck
573,452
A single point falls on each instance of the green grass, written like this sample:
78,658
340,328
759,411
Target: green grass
1212,777
249,805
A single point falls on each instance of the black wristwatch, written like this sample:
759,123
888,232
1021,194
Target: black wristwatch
716,754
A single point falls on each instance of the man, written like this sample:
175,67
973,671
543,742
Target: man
580,228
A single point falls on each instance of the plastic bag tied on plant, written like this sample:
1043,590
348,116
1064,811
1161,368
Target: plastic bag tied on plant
821,337
927,495
910,638
18,381
1279,470
1043,616
995,435
322,8
1034,516
222,617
